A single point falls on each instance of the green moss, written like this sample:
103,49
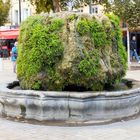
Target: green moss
36,85
94,30
71,17
38,48
98,34
23,110
90,54
118,39
83,27
89,66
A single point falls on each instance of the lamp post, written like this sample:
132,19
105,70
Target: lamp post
19,11
90,6
128,47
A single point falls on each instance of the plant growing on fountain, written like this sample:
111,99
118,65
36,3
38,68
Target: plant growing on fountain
66,49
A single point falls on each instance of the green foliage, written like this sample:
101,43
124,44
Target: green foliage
83,27
94,29
42,5
71,17
56,5
127,10
89,54
46,5
89,66
38,48
118,39
102,34
4,11
98,34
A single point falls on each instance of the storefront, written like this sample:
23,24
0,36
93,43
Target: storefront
7,39
137,34
127,36
131,33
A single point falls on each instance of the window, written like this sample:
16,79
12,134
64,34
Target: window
95,10
25,13
16,17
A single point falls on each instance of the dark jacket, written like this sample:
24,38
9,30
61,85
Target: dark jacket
133,45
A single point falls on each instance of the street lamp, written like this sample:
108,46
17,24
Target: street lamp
90,6
19,11
128,47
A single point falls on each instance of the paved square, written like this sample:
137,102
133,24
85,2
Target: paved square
9,130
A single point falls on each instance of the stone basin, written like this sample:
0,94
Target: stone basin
69,107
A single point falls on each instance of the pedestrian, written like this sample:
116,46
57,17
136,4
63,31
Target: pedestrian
133,51
14,56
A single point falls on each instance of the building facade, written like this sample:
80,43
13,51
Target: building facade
15,13
94,9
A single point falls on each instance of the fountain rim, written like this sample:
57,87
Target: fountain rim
74,94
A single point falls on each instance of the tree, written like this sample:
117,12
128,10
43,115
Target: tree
128,11
46,5
57,5
4,11
42,5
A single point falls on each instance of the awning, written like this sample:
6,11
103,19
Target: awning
9,34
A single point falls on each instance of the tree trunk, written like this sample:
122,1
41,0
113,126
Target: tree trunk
56,5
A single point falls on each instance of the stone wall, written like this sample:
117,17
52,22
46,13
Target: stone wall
69,106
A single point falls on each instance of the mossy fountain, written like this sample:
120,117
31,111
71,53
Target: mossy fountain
70,49
67,50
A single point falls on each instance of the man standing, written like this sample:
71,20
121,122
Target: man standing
14,56
133,51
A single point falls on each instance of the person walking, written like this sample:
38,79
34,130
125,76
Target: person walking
14,56
133,51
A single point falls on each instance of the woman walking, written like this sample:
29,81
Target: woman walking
14,56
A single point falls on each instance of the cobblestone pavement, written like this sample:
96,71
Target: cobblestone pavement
12,130
6,72
22,131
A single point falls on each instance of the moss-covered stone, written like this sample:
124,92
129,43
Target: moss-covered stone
64,49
